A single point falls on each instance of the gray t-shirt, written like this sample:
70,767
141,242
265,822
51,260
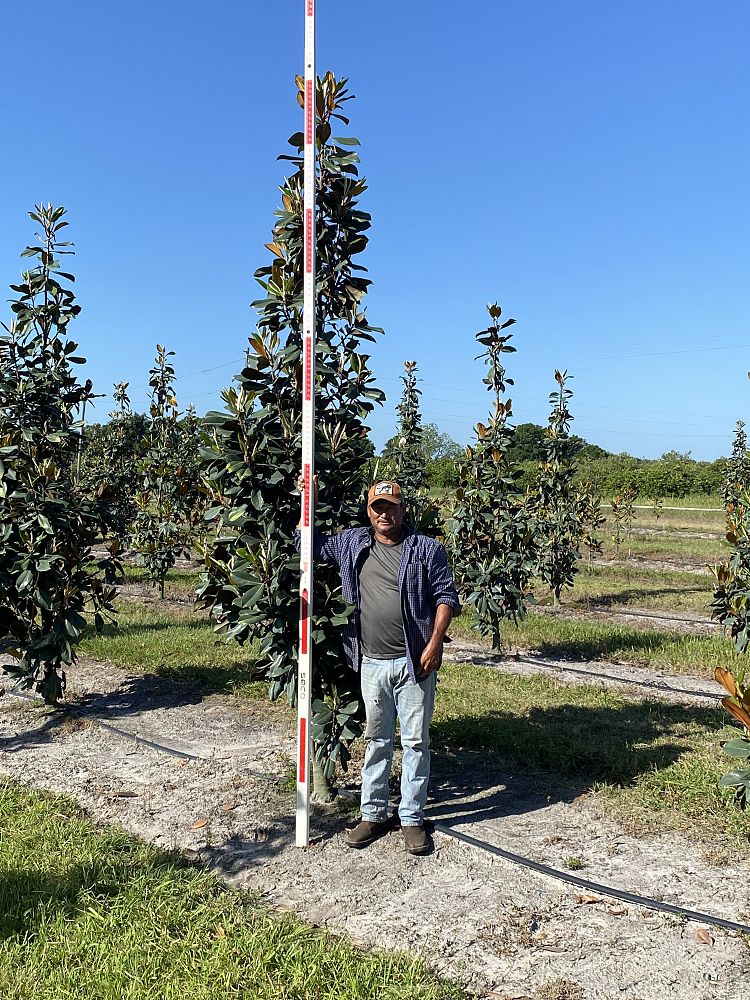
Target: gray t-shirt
381,621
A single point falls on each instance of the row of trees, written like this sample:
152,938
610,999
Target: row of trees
501,534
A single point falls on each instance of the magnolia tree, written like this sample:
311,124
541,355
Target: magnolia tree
731,606
50,579
406,457
592,521
189,475
559,509
160,531
736,469
110,455
490,537
252,460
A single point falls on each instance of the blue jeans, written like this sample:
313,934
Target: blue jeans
388,691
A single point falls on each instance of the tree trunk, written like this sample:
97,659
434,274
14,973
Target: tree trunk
323,790
495,633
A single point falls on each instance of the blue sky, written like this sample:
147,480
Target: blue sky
585,164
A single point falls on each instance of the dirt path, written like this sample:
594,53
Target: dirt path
477,918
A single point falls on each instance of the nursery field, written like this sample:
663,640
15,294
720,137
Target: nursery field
592,742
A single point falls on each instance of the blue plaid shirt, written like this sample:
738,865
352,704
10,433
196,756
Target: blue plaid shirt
424,579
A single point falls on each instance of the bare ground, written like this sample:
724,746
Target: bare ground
497,928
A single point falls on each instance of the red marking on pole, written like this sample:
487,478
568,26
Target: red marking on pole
302,748
308,241
306,499
308,367
309,113
310,8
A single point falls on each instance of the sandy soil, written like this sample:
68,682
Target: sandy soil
493,926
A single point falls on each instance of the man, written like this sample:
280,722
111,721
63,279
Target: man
402,589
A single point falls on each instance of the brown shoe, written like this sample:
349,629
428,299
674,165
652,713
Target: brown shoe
417,839
364,833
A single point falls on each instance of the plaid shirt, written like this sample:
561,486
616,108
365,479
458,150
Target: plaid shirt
424,579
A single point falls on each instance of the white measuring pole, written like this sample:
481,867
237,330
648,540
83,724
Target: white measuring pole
304,670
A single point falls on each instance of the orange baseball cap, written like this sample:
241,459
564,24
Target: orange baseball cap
384,490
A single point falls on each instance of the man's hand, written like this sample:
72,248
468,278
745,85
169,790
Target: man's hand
301,485
430,658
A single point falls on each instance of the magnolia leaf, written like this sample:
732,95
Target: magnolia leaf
739,713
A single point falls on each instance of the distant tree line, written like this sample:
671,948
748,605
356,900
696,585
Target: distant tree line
675,474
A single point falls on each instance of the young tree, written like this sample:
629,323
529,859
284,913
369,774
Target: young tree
558,509
623,515
490,533
407,457
158,529
251,584
50,580
441,453
731,607
592,521
736,469
109,456
189,473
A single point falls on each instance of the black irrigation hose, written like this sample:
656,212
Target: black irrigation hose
140,740
584,883
659,618
629,682
569,612
517,859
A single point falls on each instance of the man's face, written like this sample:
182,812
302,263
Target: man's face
386,518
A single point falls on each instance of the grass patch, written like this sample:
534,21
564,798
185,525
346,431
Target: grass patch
93,914
657,760
178,582
636,586
177,644
669,548
669,650
680,520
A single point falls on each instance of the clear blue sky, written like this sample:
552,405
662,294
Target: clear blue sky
583,163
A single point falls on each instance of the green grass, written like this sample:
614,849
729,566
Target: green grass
569,638
91,914
655,760
638,587
679,520
174,643
178,582
664,547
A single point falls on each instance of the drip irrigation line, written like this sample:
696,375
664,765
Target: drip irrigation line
584,883
705,510
517,859
649,614
655,685
140,740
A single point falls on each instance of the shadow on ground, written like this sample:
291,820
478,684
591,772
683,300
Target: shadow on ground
585,743
170,688
633,595
608,647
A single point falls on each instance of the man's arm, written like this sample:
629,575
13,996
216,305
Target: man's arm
430,659
326,548
442,588
445,596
